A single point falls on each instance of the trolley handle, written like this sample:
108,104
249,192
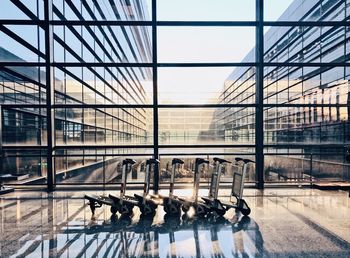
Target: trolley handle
221,160
248,161
152,161
238,159
128,161
177,161
200,161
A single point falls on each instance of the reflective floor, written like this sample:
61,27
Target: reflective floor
283,223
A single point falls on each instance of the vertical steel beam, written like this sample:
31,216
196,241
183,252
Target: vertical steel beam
155,95
259,82
1,150
50,118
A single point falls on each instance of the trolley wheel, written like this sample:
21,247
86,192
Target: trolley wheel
185,208
114,210
244,208
246,211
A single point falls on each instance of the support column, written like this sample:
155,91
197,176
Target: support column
50,117
259,96
155,95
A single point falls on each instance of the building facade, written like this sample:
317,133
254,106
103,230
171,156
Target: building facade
304,104
76,85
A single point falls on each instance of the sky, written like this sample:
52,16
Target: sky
205,44
188,44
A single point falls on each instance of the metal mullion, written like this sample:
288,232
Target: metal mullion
176,65
24,147
304,145
23,105
174,146
50,120
306,23
294,64
200,23
155,95
151,106
208,64
101,155
23,63
259,83
204,105
207,153
100,23
99,146
207,23
39,23
102,106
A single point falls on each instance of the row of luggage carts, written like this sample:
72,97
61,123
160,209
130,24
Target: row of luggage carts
174,205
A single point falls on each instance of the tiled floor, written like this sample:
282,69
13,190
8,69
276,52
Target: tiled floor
283,223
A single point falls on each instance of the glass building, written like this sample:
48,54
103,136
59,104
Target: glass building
305,117
86,83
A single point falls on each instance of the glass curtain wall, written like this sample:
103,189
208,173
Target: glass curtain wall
85,83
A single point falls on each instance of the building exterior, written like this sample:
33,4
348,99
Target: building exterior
320,93
75,85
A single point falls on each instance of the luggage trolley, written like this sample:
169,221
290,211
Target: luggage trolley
125,204
146,204
201,209
172,204
212,200
96,201
237,189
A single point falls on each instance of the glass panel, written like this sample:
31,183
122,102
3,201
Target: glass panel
306,44
306,125
307,165
185,172
9,9
23,167
205,10
22,85
206,126
24,126
103,85
22,43
205,44
122,126
128,10
308,85
305,10
95,166
239,87
125,44
192,85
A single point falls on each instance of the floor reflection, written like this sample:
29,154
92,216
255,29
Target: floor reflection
291,225
171,237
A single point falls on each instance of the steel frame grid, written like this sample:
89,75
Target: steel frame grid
259,24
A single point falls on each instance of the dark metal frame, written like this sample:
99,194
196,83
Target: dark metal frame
259,63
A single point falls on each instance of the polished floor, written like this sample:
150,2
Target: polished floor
283,223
